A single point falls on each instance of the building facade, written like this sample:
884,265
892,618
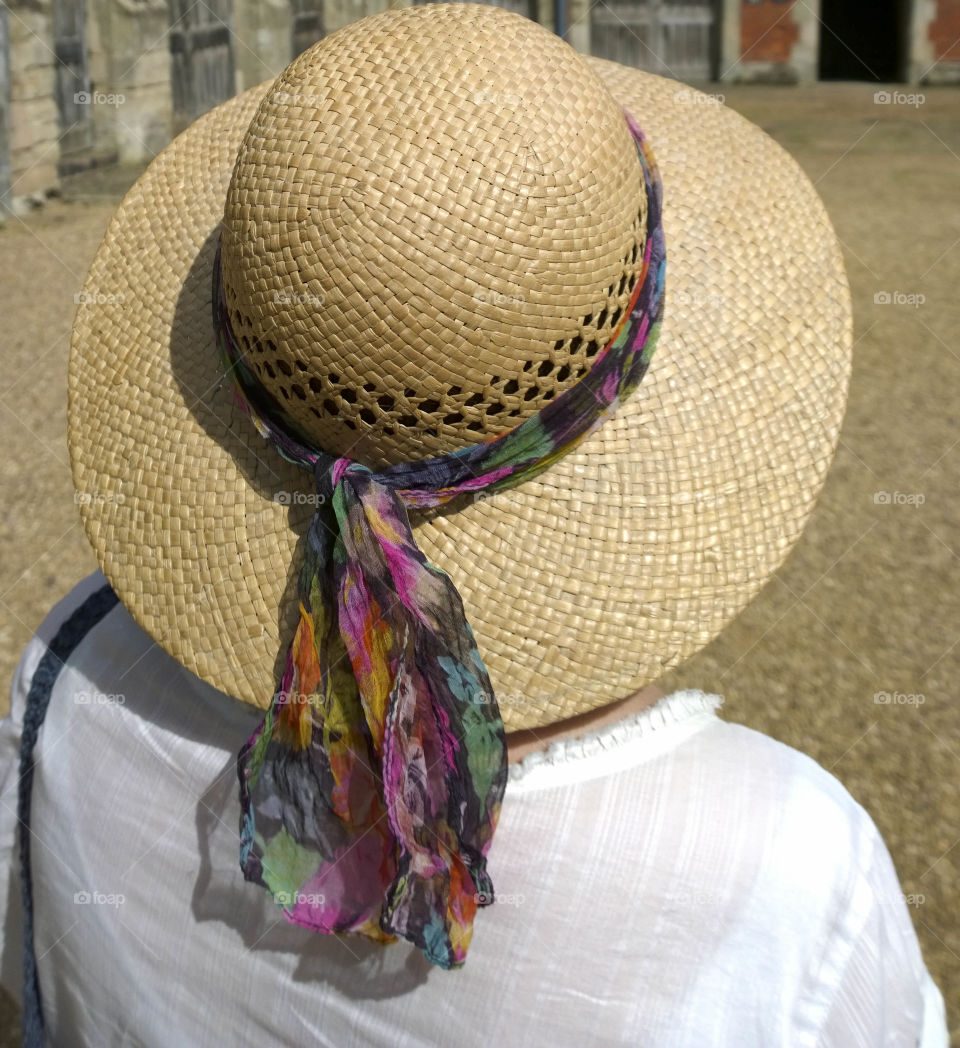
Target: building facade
87,83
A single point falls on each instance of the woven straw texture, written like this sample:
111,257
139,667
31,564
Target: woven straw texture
630,553
447,242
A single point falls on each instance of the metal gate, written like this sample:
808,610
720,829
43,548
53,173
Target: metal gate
675,38
72,85
527,8
201,53
307,24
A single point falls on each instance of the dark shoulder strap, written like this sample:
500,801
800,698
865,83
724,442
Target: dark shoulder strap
73,630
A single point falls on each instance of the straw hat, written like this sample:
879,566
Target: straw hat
431,222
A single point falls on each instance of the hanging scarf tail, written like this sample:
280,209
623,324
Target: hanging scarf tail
372,788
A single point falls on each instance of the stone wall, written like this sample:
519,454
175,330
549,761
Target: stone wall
130,64
130,69
5,176
34,123
265,27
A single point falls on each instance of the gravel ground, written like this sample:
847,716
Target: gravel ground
868,602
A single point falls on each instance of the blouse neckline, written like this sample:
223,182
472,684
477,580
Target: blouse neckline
615,747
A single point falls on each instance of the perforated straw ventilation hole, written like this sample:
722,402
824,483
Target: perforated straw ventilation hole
329,395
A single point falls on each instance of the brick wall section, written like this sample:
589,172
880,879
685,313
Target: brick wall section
767,31
944,31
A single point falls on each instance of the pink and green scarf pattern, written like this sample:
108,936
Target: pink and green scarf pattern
371,790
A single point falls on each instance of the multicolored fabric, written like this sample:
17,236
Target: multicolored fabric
371,791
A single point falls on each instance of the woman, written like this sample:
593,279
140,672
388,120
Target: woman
435,251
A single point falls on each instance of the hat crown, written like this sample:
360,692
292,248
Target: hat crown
435,220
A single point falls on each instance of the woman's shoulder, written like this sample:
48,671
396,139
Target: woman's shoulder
805,784
816,868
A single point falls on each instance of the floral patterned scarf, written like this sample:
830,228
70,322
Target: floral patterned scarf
371,790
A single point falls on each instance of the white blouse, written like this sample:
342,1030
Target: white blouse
672,880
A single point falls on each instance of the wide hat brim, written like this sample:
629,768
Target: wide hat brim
581,586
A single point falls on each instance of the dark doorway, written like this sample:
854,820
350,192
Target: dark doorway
861,41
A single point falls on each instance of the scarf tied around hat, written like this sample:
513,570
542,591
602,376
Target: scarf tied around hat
371,790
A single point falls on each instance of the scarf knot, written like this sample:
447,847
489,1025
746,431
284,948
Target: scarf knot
329,471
